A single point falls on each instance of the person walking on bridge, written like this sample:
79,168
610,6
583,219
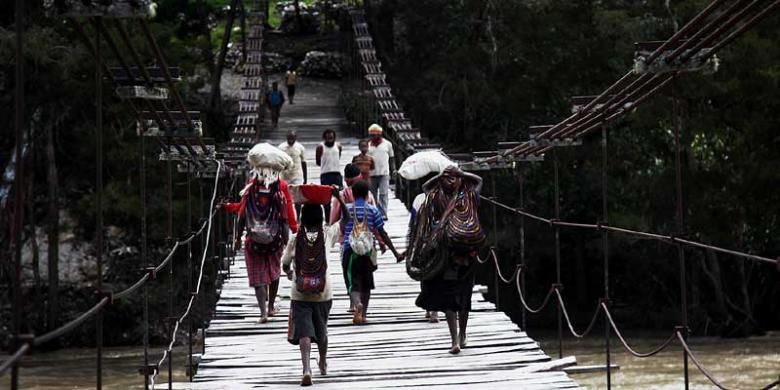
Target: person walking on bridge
363,223
328,158
291,81
364,161
381,150
275,100
305,263
265,211
299,173
451,212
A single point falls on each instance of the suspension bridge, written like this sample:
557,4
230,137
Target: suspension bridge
398,348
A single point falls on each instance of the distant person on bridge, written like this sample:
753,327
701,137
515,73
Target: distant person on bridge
311,291
363,223
381,150
291,81
364,161
266,211
451,207
297,174
275,100
328,158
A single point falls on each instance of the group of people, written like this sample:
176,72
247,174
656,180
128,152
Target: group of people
276,241
275,99
376,162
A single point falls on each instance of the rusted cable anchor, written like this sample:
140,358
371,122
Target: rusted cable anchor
104,294
673,237
22,339
152,272
684,330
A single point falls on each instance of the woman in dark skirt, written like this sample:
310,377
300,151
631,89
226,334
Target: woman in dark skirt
305,260
450,289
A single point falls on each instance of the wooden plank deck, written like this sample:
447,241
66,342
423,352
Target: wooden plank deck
398,348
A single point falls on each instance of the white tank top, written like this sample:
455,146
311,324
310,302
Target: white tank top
330,158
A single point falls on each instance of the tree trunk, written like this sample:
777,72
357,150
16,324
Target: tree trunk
298,18
711,267
53,231
34,242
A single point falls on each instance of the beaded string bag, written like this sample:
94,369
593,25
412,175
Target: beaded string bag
311,264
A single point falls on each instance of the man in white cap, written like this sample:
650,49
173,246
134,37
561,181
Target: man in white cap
381,150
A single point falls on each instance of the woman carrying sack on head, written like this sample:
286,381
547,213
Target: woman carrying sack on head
448,230
364,224
266,212
306,265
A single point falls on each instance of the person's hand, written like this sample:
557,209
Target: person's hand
399,257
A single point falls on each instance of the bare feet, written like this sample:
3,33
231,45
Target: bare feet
455,349
357,316
306,380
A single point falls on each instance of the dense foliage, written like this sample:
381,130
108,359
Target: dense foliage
476,72
60,99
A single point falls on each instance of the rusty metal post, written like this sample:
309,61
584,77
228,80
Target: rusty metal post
495,239
172,264
18,184
189,259
522,246
605,247
680,226
557,230
99,197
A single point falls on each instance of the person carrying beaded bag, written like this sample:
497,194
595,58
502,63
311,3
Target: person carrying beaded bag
266,212
305,263
447,236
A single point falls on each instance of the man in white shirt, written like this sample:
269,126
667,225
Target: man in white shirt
328,158
297,174
381,150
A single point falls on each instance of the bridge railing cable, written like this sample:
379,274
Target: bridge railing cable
678,334
193,294
111,297
669,239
